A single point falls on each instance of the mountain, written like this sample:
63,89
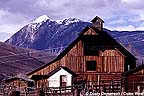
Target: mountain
15,60
44,33
132,40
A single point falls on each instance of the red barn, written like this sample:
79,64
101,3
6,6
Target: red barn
96,59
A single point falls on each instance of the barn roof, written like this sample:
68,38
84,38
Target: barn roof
140,67
119,46
18,77
40,77
103,33
97,18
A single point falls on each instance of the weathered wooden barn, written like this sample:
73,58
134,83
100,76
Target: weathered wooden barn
134,79
19,82
95,57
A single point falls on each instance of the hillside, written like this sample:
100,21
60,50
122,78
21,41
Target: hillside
15,60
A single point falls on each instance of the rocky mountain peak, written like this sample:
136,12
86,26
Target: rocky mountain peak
40,19
70,20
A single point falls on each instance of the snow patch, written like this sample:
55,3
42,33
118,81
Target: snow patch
142,40
67,21
70,20
41,19
59,21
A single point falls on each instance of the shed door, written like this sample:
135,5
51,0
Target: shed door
63,81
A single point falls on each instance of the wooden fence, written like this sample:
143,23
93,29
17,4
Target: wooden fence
54,91
107,86
45,91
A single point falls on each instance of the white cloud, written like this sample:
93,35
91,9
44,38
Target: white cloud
133,4
4,36
10,28
131,1
118,21
127,28
7,17
3,13
14,13
10,23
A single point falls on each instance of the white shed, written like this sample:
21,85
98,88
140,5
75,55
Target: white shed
60,77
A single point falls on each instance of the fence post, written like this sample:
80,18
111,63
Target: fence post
60,90
138,89
65,91
122,91
72,90
41,92
25,91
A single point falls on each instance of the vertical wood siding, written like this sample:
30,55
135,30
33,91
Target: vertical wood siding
108,62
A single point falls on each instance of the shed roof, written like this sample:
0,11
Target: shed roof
139,68
39,77
18,77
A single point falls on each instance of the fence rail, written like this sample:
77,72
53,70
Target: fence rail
89,86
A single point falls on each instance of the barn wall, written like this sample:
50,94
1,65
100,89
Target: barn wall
109,62
21,85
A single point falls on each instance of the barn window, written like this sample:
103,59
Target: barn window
91,44
91,52
90,65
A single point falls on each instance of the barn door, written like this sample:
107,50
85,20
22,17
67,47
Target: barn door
63,81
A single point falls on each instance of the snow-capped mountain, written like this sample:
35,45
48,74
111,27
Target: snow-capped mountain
44,33
41,19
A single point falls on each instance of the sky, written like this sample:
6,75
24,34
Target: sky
119,15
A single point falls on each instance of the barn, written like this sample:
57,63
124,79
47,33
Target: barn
134,79
93,58
19,82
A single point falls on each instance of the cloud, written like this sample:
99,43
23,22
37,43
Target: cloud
128,28
133,4
17,6
10,28
10,23
59,9
7,17
4,36
117,14
71,8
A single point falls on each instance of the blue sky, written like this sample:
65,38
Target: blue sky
117,14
